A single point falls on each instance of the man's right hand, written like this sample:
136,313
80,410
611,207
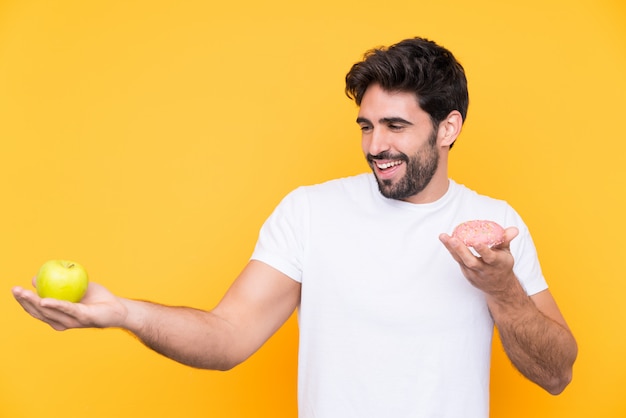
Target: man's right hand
99,308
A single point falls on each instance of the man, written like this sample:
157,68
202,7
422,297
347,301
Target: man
396,316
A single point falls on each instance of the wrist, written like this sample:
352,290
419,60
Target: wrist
510,296
132,319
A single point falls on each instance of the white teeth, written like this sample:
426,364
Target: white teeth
387,165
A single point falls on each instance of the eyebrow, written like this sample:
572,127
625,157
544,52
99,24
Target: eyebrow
385,120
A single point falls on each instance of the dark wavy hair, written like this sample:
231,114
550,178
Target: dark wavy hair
415,65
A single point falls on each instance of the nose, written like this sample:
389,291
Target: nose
375,142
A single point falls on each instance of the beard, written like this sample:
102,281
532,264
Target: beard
420,169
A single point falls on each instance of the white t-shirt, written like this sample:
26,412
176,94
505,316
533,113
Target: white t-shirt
389,326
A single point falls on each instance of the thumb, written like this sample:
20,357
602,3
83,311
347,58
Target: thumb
509,234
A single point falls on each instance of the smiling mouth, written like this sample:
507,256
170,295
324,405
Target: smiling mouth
387,165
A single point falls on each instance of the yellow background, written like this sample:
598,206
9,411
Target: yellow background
149,140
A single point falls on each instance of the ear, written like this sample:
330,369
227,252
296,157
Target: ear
450,128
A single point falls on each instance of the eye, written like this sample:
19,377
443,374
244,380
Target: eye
395,127
365,128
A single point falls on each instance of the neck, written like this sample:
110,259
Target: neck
435,190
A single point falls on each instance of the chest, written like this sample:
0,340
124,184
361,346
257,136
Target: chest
364,270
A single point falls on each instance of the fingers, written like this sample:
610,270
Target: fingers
459,251
487,268
491,254
53,312
509,234
487,254
56,314
26,298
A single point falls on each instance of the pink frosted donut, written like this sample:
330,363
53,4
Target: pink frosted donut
479,232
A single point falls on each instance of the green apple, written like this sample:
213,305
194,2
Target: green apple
62,279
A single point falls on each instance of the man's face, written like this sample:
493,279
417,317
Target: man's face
399,142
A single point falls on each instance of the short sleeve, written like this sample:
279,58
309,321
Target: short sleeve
282,239
526,267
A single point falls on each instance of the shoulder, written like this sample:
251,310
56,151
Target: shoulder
475,205
466,194
337,193
358,181
353,187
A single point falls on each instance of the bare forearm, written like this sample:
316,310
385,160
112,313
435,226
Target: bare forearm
193,337
542,349
254,307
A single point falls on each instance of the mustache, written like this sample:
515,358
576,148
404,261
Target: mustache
386,155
